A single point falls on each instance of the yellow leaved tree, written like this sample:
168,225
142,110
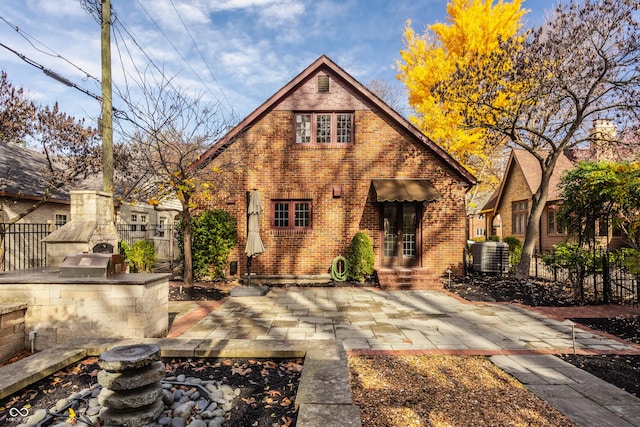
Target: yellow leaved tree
473,31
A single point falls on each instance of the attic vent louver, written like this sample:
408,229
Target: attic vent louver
323,83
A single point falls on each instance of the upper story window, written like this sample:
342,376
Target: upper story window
60,220
138,222
520,213
324,128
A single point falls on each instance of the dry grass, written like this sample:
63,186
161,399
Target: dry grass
438,391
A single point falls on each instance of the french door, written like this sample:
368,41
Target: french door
401,238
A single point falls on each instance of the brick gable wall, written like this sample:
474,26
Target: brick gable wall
266,157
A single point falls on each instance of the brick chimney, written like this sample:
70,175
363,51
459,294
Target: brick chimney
602,138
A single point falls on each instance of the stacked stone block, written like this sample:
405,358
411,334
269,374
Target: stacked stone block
131,385
12,330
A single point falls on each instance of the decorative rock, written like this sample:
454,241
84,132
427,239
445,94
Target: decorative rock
130,399
197,423
61,404
93,410
178,422
164,421
184,410
167,397
217,394
132,378
137,418
129,357
37,416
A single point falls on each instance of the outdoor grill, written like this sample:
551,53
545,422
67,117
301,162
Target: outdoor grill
91,265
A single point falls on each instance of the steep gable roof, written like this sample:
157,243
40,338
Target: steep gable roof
323,62
530,168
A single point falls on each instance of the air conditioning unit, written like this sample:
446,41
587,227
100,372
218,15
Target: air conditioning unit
490,257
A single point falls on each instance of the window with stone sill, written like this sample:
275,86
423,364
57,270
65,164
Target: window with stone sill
291,215
324,129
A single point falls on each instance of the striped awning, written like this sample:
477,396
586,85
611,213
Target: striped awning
405,190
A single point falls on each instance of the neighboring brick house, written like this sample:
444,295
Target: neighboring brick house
511,203
330,159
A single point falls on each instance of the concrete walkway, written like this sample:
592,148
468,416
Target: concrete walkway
370,321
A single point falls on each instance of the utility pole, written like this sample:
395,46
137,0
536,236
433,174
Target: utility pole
107,112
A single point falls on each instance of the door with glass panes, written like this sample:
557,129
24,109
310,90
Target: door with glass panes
400,226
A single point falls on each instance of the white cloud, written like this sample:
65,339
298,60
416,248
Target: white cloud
56,8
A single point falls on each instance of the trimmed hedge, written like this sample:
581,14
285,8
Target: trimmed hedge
360,257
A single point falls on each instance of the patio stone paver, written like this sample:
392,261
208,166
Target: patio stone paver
369,321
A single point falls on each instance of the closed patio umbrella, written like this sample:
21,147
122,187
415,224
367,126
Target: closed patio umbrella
254,244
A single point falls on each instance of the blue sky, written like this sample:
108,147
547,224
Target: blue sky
238,52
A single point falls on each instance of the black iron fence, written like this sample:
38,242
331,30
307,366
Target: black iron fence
132,233
597,276
163,237
21,246
601,277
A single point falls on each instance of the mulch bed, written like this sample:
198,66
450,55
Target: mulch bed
267,396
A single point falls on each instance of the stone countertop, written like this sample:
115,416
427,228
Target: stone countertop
11,307
52,276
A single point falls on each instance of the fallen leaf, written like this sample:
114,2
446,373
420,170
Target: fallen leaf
285,402
240,371
294,367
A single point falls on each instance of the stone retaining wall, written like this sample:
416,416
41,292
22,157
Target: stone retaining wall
121,306
12,335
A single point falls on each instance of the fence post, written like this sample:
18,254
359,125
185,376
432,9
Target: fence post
606,277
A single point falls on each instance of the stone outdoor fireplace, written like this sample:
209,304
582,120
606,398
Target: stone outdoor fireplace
91,229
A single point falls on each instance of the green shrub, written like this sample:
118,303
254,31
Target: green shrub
515,250
360,257
141,256
213,235
628,258
124,249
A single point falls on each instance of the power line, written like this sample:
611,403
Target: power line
58,77
28,38
178,51
51,73
201,55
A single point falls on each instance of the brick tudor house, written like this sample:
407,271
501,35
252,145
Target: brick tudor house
330,159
